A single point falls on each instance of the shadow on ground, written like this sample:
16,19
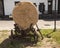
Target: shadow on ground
17,43
51,19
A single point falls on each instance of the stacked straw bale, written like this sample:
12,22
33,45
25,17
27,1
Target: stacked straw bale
25,14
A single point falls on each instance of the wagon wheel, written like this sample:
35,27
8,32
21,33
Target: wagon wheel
35,38
17,30
35,35
34,32
39,33
11,37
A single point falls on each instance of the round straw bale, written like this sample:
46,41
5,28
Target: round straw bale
25,14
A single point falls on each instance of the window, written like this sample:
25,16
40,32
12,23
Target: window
16,2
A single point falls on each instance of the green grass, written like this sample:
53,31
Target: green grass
46,31
5,41
55,35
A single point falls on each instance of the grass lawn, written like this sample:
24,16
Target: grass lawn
49,32
5,41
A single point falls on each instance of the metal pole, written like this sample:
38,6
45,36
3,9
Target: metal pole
55,18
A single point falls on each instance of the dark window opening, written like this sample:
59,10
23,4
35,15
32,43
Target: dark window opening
42,8
35,4
50,6
58,6
16,2
1,8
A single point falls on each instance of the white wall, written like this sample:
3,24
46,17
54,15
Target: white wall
54,4
9,5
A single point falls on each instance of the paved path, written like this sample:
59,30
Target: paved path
8,25
48,24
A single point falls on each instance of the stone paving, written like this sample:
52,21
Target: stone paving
42,24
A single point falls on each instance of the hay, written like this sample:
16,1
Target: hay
25,14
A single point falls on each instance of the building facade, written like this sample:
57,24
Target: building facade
8,5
